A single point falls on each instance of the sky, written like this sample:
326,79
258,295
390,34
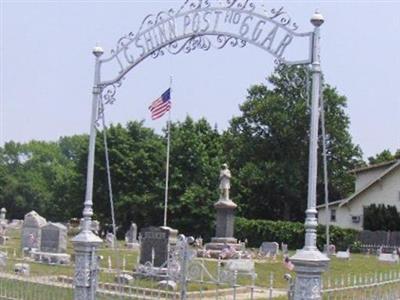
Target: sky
46,68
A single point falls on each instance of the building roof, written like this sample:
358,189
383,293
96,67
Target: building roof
394,165
374,166
337,202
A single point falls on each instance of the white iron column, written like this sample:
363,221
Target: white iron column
86,242
310,262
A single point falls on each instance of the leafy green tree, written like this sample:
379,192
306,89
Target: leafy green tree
137,155
137,162
267,146
38,176
196,158
383,156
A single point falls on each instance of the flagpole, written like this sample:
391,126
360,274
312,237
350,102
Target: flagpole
167,163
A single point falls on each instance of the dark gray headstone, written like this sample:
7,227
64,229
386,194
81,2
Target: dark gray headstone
54,238
154,242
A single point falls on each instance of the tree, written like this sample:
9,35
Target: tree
137,162
196,158
37,178
137,155
267,146
384,156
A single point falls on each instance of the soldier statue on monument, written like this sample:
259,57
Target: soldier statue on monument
225,182
224,244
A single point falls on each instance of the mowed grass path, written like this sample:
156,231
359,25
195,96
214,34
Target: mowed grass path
357,265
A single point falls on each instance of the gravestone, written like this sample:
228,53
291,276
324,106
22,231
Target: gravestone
15,224
3,259
330,251
3,226
31,230
154,245
3,219
95,226
271,248
110,240
54,238
343,254
389,257
285,249
131,237
240,265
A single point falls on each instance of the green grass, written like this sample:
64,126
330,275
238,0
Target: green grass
357,265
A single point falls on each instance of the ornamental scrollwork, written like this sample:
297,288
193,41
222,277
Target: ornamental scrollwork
193,5
297,79
241,4
202,25
281,16
308,288
108,93
223,40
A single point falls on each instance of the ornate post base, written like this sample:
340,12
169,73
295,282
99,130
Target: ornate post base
309,266
85,278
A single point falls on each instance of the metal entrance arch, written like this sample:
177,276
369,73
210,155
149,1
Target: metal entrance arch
204,24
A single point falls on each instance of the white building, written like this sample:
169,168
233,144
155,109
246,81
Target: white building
376,184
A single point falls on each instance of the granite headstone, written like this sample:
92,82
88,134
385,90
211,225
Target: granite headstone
154,245
271,248
53,238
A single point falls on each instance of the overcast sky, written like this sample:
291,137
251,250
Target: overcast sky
47,68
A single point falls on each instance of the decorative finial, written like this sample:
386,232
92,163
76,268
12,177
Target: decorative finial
98,51
317,19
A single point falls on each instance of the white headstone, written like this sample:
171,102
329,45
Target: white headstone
240,265
389,257
31,230
110,239
131,234
343,254
285,248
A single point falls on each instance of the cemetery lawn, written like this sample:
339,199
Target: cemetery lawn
360,265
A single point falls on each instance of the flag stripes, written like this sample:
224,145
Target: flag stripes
161,105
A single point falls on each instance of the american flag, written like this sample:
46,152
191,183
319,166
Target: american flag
161,105
288,264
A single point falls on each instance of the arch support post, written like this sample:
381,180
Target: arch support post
309,262
86,242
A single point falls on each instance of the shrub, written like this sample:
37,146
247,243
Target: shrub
381,217
291,233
